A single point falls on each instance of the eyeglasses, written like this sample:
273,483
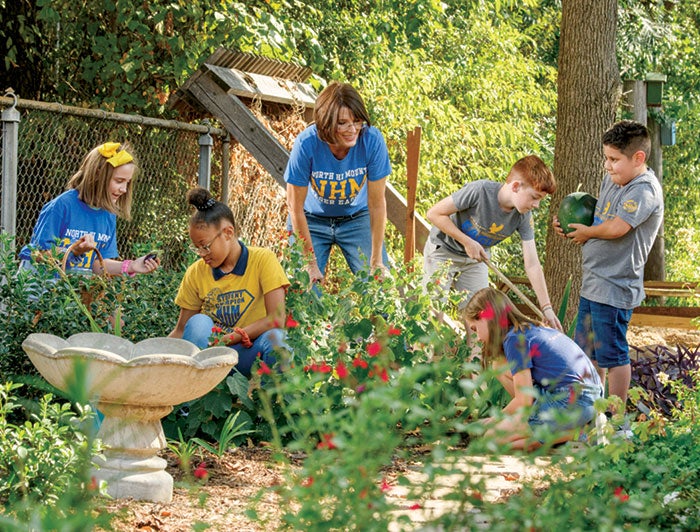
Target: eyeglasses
206,248
347,126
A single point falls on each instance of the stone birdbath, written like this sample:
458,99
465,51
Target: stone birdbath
134,386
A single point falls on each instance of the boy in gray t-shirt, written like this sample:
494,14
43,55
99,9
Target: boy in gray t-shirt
628,214
480,215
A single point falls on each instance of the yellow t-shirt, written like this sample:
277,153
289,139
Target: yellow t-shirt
235,299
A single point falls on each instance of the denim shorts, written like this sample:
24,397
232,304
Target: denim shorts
352,234
601,331
564,408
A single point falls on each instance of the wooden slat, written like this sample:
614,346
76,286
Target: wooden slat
242,124
412,158
266,88
651,288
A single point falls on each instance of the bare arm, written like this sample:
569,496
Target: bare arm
534,272
296,196
376,204
522,380
185,314
608,230
439,216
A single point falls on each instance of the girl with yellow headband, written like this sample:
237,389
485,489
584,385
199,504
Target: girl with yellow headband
86,214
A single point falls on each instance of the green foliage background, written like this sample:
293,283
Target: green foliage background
478,76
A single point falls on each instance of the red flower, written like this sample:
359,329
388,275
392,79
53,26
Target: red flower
324,368
201,471
216,329
394,331
415,506
503,319
341,370
264,369
327,442
534,351
385,486
373,349
342,347
621,495
291,322
384,375
359,363
307,482
488,313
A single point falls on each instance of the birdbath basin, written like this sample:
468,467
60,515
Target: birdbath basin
134,386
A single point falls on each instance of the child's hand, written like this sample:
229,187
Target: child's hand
578,234
84,244
474,250
557,227
143,265
552,320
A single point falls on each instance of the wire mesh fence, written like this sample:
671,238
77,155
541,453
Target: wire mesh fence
53,139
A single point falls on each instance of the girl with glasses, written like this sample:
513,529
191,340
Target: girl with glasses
336,180
234,294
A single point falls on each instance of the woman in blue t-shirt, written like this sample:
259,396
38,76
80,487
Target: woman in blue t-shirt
546,371
336,179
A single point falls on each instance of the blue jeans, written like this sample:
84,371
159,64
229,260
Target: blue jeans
198,331
352,234
601,331
566,407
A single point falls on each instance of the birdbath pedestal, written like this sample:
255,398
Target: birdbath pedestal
134,387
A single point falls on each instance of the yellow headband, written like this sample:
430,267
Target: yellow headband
114,157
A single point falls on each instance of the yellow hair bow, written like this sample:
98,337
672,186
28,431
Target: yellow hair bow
114,157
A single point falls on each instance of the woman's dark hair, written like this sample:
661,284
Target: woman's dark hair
208,211
328,104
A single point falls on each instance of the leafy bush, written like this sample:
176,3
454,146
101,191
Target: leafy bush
654,367
36,301
45,465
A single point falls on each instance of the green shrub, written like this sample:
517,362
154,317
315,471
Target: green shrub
45,465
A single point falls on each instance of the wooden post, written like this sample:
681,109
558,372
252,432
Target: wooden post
412,157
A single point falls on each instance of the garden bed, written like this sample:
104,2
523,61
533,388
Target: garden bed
221,499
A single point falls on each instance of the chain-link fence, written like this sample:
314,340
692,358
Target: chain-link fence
53,139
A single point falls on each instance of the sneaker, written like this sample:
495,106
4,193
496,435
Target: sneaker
624,433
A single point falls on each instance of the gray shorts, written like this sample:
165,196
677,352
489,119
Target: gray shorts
457,273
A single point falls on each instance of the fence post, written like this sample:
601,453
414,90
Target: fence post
10,129
225,167
205,145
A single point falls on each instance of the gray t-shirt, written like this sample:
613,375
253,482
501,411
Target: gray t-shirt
613,270
481,218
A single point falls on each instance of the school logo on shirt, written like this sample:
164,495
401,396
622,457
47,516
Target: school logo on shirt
496,228
227,307
630,206
485,237
338,189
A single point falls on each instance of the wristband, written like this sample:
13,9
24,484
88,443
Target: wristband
547,307
125,268
245,339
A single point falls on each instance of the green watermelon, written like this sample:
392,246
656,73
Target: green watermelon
576,208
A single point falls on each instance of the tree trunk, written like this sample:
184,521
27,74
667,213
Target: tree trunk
588,93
